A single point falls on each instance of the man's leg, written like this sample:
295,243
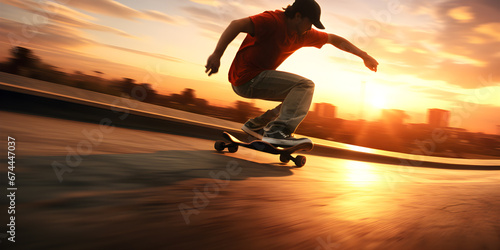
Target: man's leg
255,127
294,91
267,117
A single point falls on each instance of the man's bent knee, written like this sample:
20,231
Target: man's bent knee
306,83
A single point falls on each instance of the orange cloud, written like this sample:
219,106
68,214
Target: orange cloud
490,29
457,51
116,9
48,36
207,2
52,12
462,14
154,55
54,36
107,7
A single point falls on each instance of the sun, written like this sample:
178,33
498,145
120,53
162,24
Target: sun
378,100
376,96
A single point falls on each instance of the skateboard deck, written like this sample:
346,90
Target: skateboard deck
285,153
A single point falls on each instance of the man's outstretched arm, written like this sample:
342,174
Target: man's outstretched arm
347,46
235,27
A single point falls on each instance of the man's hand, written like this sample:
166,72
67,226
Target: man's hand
213,64
370,62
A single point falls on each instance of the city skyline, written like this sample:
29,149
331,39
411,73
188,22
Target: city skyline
436,118
432,54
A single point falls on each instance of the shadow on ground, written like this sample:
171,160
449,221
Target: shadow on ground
105,196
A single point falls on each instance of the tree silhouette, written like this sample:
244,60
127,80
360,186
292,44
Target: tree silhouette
127,85
188,96
244,110
22,58
150,93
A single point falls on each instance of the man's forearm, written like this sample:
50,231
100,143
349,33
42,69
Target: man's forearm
225,39
345,45
229,34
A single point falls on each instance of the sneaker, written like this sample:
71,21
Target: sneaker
281,137
254,130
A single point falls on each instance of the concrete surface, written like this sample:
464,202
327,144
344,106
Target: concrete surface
133,189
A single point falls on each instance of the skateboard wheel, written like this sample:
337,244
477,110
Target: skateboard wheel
219,146
284,158
232,148
300,161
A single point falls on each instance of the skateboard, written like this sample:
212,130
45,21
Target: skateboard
285,153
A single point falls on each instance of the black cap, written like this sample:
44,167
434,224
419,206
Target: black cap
309,9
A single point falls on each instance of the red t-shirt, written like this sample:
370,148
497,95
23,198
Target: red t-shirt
269,46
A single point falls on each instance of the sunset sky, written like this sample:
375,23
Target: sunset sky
432,53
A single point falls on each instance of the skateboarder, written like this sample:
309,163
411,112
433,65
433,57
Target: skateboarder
273,36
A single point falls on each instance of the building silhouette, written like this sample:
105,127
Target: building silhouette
325,110
394,116
438,118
